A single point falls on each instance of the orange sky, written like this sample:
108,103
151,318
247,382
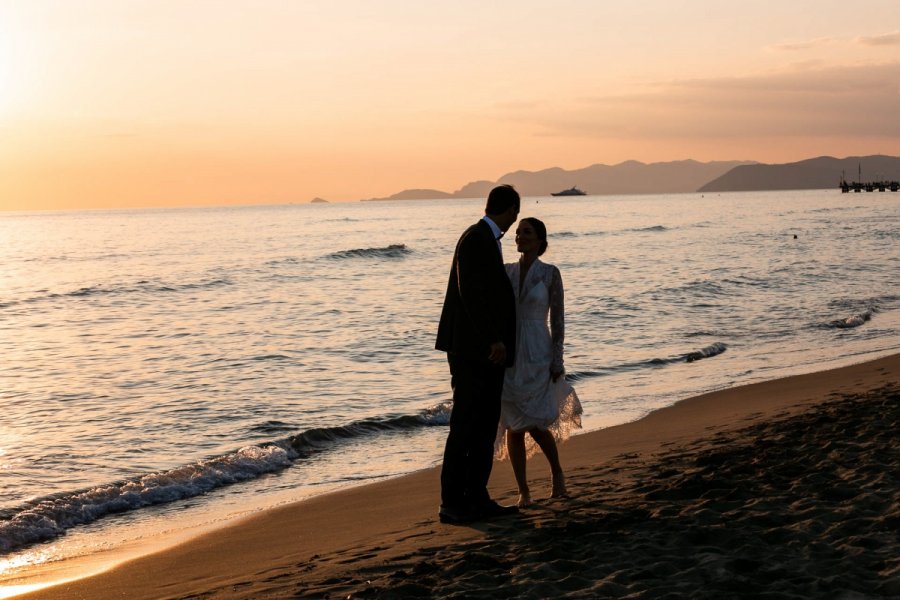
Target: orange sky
112,103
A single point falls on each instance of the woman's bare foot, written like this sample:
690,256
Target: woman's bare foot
559,486
524,500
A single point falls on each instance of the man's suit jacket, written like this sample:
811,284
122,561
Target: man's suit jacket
480,306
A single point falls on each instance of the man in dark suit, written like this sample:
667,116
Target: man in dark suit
478,332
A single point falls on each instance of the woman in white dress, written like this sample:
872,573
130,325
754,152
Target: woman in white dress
537,399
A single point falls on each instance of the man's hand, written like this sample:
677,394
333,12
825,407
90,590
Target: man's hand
555,375
498,353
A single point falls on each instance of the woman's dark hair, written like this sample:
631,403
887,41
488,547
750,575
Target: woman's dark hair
541,230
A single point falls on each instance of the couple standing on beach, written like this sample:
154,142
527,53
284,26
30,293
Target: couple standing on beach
506,366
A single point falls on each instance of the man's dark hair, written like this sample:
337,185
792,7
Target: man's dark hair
502,198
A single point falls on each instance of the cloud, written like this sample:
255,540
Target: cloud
804,45
884,39
853,100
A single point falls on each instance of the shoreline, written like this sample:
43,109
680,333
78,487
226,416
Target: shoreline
326,544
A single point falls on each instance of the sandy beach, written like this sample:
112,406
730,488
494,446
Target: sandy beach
781,489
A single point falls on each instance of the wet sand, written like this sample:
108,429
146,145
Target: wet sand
782,489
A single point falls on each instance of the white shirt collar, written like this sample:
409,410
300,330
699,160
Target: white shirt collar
493,226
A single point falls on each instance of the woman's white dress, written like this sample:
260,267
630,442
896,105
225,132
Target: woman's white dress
530,398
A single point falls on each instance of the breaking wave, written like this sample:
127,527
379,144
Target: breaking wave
392,251
139,287
688,357
851,321
49,517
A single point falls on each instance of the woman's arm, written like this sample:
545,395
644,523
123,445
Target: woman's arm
557,323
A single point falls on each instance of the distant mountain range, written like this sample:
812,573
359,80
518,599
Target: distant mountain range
815,173
633,177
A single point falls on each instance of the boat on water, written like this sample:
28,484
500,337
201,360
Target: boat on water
572,191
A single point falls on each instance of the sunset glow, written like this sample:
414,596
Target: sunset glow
107,104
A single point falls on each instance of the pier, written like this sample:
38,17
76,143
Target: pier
868,186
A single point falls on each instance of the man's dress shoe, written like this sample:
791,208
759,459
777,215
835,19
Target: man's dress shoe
453,515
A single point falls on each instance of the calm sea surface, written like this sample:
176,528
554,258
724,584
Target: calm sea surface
165,370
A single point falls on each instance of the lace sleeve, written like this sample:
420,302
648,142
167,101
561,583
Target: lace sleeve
557,318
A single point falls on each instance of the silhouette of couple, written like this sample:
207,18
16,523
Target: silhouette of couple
506,365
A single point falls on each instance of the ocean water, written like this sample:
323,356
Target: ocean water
163,371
